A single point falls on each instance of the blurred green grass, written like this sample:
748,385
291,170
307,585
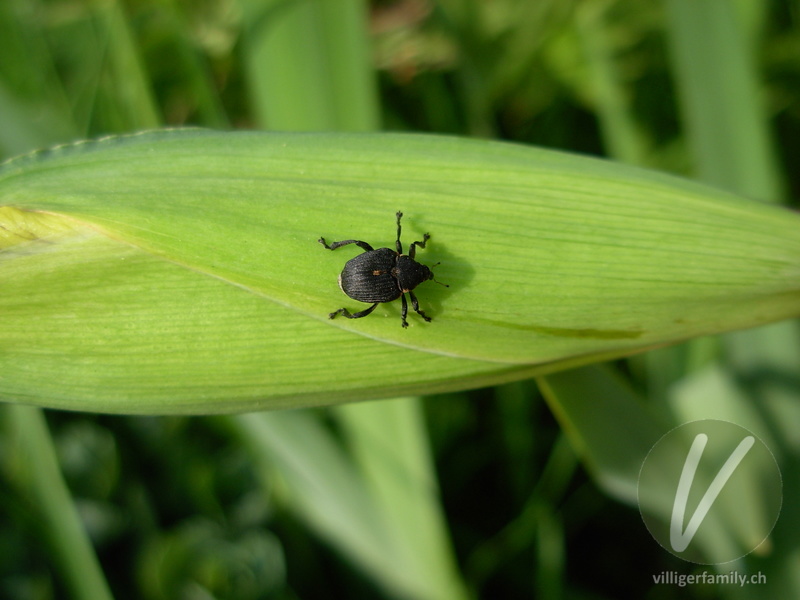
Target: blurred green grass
479,494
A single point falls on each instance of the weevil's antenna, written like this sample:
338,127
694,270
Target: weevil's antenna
434,279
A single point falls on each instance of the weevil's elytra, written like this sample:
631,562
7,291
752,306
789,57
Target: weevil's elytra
382,275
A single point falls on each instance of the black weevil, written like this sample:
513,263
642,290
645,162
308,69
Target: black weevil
382,275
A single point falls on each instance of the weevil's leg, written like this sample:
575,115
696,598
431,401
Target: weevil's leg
404,311
345,313
415,304
398,244
334,245
412,251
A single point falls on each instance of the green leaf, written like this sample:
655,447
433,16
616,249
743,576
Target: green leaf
719,89
379,504
606,423
179,271
35,474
